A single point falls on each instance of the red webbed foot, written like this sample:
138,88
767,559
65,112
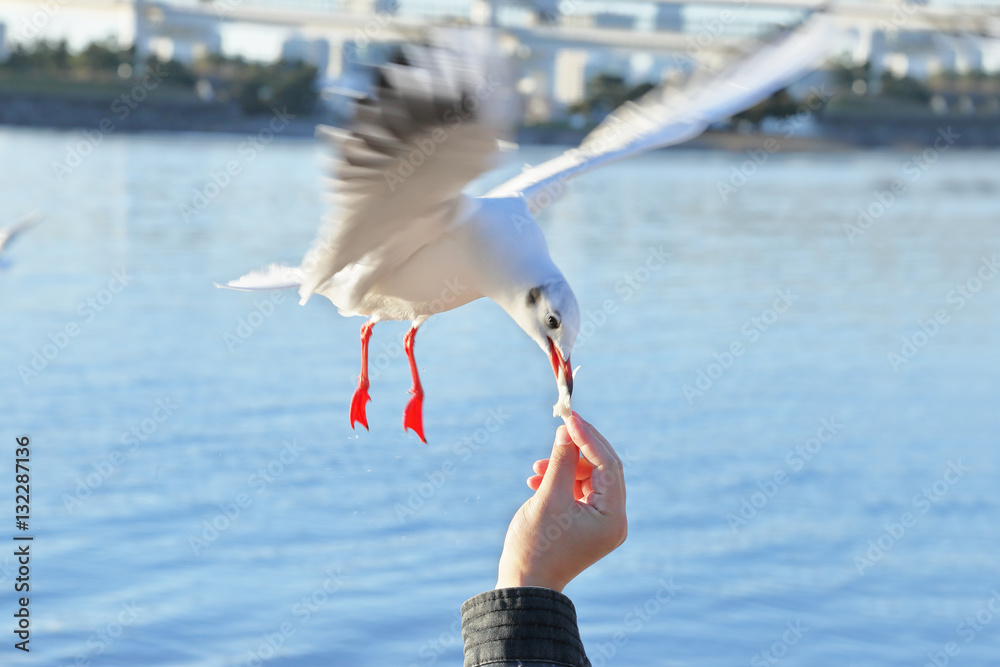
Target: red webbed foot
413,417
358,403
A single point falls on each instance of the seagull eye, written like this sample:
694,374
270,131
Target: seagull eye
553,322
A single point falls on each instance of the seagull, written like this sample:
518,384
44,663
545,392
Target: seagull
405,242
8,233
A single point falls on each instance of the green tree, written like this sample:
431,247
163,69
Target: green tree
99,57
905,89
606,92
174,72
261,88
778,105
44,57
845,73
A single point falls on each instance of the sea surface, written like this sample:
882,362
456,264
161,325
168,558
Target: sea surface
797,357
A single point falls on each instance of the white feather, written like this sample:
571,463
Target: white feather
273,277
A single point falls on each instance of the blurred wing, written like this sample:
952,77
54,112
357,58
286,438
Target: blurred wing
431,128
8,233
664,117
273,277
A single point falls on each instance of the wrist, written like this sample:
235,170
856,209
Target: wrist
521,579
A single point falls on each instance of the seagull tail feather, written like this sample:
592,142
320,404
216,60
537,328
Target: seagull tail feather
273,277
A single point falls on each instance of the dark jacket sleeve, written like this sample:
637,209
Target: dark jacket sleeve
529,627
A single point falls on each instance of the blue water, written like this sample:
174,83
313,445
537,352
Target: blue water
806,500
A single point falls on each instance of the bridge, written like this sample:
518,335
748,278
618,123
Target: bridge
557,21
557,43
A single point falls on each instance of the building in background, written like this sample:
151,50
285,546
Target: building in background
670,17
315,52
172,33
560,45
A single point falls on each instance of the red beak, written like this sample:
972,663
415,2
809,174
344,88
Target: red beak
559,363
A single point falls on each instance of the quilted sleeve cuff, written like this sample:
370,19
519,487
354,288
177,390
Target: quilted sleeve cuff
526,624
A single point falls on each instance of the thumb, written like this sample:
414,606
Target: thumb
561,474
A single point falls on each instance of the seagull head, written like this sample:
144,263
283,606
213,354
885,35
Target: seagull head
549,313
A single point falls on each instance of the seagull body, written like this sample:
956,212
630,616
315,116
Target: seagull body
405,243
479,253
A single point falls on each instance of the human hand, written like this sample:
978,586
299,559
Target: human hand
576,517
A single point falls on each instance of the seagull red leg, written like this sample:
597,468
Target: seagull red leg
413,417
361,397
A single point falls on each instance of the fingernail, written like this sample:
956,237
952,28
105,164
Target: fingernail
562,436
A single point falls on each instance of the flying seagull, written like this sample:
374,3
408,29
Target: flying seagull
8,233
405,243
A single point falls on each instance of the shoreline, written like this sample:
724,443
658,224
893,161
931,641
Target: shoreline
835,133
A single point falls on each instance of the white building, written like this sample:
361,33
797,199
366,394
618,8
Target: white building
670,17
918,53
174,34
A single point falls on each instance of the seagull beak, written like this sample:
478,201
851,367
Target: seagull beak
560,364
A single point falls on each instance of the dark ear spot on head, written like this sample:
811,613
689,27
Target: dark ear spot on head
533,295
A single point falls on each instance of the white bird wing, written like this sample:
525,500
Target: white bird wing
432,127
8,233
665,117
